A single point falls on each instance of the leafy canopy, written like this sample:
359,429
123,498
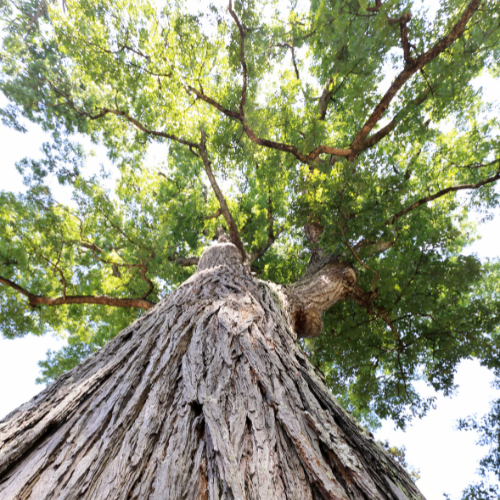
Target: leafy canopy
353,116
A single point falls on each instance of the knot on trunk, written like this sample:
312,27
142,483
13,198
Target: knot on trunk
220,254
316,292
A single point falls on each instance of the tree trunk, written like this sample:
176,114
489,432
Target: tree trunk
206,396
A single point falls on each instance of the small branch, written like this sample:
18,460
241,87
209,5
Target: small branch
292,50
271,238
185,261
408,72
233,229
214,215
180,261
475,165
33,24
242,58
143,270
357,258
366,300
37,300
261,251
328,94
425,200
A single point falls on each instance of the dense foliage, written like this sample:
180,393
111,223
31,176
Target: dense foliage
352,113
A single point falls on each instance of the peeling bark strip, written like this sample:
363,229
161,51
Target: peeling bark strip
207,396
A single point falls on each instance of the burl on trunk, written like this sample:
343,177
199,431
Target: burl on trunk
206,396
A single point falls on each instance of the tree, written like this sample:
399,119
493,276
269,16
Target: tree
340,188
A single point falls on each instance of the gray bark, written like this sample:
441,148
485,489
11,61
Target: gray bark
206,396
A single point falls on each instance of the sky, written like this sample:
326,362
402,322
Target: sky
447,458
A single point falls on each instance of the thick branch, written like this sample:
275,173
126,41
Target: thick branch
271,238
233,229
427,199
410,69
312,295
185,261
373,247
105,300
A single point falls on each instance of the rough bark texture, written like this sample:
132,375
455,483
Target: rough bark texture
206,396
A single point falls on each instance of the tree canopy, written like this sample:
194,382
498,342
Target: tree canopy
358,120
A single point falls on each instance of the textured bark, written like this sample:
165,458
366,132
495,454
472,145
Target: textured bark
206,396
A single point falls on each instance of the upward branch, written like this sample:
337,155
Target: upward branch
271,238
233,229
105,300
413,65
242,58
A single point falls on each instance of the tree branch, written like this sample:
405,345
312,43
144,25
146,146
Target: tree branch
104,111
233,229
214,215
366,300
403,21
242,57
374,247
384,131
292,50
105,300
410,69
425,200
328,94
287,148
357,257
378,4
271,238
185,261
309,297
